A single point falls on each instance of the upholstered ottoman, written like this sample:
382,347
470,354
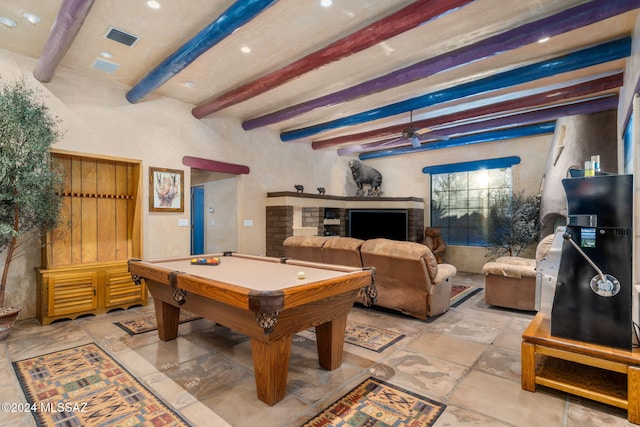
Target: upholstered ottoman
510,282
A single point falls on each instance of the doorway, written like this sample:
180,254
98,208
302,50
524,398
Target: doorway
214,212
197,220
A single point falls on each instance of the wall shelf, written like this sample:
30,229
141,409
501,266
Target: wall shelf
84,267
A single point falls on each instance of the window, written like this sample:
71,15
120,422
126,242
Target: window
460,202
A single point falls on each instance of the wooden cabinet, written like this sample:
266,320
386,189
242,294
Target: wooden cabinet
69,292
120,290
84,260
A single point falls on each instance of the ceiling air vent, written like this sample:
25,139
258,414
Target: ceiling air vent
105,66
121,36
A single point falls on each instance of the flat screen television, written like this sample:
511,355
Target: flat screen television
374,223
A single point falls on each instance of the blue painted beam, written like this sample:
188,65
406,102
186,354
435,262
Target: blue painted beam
605,52
498,135
238,14
588,106
502,162
562,22
539,100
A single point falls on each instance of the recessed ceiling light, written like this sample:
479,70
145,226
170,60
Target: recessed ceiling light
326,3
31,18
189,84
8,22
153,4
543,40
106,54
245,49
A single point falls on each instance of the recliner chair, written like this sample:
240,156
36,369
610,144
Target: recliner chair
408,278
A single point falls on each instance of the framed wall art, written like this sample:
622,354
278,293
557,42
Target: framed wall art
166,190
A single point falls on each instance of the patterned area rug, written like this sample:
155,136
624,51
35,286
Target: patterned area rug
83,386
370,337
146,324
379,404
460,293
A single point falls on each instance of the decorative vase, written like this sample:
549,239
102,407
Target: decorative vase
8,317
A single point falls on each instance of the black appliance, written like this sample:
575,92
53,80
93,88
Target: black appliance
594,293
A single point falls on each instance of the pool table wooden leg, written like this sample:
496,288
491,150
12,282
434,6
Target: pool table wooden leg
271,365
330,338
168,317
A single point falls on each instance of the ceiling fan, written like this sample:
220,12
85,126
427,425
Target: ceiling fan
413,133
410,133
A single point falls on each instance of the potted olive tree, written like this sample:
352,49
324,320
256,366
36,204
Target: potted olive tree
30,188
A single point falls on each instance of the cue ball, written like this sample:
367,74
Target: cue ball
300,274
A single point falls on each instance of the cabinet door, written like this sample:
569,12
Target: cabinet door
72,293
121,289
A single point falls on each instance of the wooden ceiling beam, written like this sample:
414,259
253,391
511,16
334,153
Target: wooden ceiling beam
63,32
476,138
538,100
405,19
514,120
600,54
562,22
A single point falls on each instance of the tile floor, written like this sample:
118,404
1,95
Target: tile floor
468,358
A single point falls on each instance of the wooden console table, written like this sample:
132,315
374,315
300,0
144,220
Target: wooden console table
600,373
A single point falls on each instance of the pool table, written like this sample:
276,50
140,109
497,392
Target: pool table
267,299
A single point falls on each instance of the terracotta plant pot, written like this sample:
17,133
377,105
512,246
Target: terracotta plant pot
8,317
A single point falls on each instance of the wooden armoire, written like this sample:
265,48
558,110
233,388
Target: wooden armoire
84,266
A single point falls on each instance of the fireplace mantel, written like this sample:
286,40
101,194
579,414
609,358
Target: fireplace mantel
292,198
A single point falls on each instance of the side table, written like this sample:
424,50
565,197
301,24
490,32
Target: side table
604,374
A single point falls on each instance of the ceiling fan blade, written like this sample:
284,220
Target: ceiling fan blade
438,137
422,131
394,141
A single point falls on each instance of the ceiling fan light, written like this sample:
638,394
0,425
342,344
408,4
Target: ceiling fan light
8,22
34,19
415,141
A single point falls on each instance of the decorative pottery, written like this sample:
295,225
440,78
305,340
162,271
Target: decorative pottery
8,316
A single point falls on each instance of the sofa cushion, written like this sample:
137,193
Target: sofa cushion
516,260
509,270
342,251
305,241
305,248
403,250
347,243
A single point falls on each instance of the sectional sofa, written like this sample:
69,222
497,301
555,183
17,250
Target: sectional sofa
408,278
